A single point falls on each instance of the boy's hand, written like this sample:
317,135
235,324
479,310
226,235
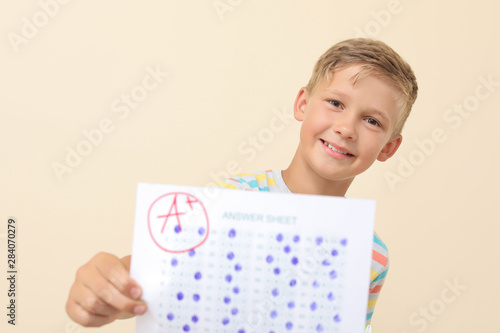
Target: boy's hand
104,291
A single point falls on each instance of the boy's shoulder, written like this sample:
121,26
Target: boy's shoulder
266,181
380,259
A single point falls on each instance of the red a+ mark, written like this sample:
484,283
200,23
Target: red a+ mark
176,214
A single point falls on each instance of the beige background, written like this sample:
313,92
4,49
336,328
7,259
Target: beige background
228,74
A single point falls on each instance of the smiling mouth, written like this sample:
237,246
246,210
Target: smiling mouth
334,149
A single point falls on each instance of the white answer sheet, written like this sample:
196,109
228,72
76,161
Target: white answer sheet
217,260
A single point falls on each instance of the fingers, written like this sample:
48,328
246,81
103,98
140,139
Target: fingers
84,317
116,273
103,291
92,302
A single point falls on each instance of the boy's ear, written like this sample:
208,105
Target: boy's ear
390,148
300,104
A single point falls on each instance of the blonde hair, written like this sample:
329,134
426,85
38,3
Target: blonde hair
377,58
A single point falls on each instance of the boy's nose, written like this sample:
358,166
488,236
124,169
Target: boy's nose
345,126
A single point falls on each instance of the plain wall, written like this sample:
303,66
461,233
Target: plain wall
229,73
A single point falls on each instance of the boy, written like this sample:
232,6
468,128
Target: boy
352,111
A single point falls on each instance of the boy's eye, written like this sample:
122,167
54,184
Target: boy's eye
373,122
335,103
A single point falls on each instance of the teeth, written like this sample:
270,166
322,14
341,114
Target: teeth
333,148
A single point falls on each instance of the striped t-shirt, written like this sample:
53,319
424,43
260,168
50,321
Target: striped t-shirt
272,181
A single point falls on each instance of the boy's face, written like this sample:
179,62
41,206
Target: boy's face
347,127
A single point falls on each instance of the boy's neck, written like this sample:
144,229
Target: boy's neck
300,178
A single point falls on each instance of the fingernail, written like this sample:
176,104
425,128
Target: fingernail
135,292
139,309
